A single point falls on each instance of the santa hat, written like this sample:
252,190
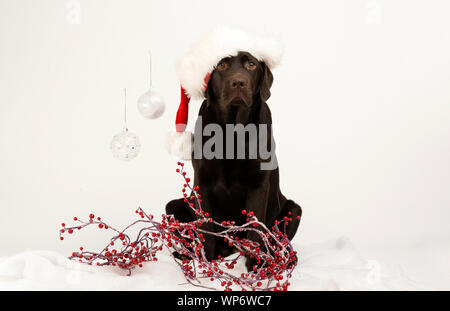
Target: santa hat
195,67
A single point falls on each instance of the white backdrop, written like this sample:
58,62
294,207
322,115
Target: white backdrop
361,103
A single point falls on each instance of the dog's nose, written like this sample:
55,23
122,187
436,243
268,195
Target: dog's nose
238,83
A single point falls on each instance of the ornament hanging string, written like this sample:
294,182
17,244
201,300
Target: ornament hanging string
151,68
125,109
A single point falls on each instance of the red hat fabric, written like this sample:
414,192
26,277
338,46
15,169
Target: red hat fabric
183,110
182,113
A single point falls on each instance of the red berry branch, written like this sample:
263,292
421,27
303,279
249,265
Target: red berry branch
275,260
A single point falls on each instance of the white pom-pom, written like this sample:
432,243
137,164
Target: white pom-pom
180,144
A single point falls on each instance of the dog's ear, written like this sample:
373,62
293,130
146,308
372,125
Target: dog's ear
265,83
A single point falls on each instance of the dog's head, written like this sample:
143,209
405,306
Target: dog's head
237,83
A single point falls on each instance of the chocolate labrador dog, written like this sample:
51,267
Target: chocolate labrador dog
237,93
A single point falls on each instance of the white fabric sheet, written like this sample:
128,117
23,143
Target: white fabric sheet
333,265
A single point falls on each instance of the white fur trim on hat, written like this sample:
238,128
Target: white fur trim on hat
217,44
180,144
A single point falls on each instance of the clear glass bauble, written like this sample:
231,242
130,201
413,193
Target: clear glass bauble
125,146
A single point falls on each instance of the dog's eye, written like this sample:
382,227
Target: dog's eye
222,66
250,65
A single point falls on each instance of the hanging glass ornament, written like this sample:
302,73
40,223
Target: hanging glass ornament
125,145
150,104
